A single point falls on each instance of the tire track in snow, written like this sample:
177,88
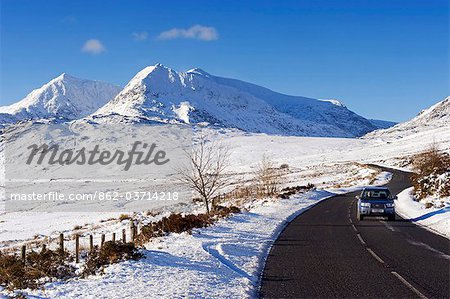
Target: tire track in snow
216,251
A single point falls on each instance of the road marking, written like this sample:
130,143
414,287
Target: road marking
426,246
410,286
354,228
361,239
375,255
389,227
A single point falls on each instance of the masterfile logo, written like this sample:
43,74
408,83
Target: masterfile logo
111,165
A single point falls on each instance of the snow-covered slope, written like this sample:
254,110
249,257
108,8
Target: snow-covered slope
6,119
64,97
437,117
158,93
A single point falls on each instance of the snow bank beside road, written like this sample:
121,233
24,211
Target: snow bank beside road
437,219
221,261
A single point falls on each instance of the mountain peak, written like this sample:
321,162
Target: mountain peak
152,70
198,71
64,77
64,96
334,102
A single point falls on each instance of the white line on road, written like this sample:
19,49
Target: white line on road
361,239
354,228
389,227
375,255
410,286
426,246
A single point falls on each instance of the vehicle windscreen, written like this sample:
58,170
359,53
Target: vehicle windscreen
376,194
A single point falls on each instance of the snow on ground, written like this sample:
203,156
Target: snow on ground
325,162
224,260
436,218
221,261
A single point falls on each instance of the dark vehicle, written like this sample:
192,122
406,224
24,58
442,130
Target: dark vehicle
376,201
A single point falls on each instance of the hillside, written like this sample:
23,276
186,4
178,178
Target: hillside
158,93
435,118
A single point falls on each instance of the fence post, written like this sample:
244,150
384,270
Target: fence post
91,242
61,243
133,231
124,236
77,248
103,240
114,237
24,248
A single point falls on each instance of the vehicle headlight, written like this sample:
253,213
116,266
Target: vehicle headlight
390,205
365,204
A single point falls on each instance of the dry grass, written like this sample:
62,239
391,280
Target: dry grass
289,191
110,253
38,266
177,223
123,217
431,169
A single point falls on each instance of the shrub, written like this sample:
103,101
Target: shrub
222,211
50,263
268,177
16,274
123,217
13,274
431,173
110,253
288,191
177,223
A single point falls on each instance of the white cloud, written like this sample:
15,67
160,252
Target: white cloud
93,46
140,36
195,32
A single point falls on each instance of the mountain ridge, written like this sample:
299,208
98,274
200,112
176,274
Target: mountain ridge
436,116
158,93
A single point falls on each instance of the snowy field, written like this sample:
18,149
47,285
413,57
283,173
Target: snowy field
326,162
225,260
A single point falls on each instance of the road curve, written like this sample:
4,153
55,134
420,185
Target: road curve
327,253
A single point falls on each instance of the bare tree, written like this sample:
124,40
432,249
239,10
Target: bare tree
206,174
268,177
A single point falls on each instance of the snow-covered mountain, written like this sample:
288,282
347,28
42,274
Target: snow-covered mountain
158,93
437,117
382,124
64,97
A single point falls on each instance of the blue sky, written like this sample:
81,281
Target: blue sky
384,59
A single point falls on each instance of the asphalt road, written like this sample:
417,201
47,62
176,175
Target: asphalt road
327,253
